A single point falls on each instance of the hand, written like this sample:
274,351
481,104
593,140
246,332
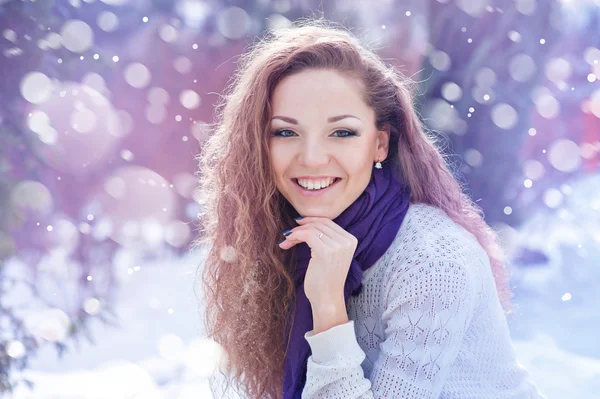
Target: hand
331,256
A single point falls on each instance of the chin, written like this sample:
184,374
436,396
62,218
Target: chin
318,212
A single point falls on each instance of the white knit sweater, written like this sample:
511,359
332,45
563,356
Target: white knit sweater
428,324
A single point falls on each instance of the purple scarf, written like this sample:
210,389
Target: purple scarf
374,219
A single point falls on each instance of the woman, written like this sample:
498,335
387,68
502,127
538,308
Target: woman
391,285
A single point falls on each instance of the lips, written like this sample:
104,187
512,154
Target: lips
335,180
316,193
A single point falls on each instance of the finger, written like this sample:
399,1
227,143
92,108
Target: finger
327,229
335,232
310,236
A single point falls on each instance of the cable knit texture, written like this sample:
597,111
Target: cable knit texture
427,324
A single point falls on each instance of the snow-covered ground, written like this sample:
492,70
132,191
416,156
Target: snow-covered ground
160,353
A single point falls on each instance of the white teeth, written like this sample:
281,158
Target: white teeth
315,185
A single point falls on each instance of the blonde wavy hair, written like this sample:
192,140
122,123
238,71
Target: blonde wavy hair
247,285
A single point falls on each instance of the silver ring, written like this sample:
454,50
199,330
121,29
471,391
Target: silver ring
320,235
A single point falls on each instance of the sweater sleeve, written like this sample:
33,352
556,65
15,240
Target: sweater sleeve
426,312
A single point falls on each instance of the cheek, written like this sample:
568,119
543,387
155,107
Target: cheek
278,167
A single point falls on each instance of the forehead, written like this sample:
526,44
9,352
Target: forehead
320,91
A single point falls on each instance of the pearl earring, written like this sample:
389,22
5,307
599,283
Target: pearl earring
378,165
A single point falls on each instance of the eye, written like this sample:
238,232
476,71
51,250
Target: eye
277,132
350,132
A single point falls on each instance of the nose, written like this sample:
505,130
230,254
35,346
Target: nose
313,154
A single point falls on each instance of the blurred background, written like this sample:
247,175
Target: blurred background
104,105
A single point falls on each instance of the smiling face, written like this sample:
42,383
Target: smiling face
321,127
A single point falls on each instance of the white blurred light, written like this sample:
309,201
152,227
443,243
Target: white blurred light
115,187
77,36
137,75
127,155
591,55
158,96
38,121
103,229
10,35
558,69
277,21
514,36
233,22
440,60
107,21
504,116
15,349
228,254
473,157
152,231
83,120
185,184
36,87
482,94
521,67
177,233
507,210
200,130
51,324
156,114
547,106
193,12
182,64
472,7
451,91
49,136
94,81
115,2
171,347
204,357
168,33
588,150
564,155
54,40
566,189
441,115
533,169
30,197
528,183
526,7
91,306
595,103
189,99
566,297
553,198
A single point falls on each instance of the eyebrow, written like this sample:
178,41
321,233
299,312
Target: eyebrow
330,120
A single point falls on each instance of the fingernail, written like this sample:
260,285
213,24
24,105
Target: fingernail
299,218
281,241
286,232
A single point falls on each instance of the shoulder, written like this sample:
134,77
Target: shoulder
431,246
428,232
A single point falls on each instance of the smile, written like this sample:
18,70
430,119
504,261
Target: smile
314,193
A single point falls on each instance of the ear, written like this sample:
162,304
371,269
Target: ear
382,143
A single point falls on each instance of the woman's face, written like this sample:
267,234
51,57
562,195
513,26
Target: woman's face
321,128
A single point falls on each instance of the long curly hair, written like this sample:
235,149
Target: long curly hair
247,285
